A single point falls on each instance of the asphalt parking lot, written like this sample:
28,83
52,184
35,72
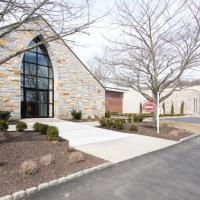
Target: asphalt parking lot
194,120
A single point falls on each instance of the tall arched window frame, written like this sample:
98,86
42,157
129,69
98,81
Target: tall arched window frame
37,83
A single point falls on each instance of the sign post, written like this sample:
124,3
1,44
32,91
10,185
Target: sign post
150,107
158,113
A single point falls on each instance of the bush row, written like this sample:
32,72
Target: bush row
145,115
51,131
112,123
117,123
130,119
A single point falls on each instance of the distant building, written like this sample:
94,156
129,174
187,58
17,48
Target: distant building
126,100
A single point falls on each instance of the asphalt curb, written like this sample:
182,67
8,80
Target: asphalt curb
27,192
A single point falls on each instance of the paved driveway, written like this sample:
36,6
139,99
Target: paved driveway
195,120
109,145
168,174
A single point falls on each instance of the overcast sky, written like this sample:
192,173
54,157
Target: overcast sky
88,46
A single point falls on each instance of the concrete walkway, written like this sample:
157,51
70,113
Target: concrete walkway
79,133
109,145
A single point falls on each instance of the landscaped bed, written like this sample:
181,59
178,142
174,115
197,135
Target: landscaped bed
145,128
17,147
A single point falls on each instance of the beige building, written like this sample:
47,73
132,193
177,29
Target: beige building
130,103
48,81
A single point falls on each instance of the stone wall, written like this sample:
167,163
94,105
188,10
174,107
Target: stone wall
74,85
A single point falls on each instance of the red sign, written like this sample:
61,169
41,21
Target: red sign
149,107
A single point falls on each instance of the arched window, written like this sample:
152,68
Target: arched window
37,85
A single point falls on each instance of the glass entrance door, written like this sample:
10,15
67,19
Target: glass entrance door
43,103
31,103
35,103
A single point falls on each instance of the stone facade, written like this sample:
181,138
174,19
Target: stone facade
74,85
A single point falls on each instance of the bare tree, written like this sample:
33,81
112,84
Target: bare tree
159,41
99,70
66,17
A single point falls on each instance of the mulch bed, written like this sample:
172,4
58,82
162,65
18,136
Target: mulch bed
147,128
17,147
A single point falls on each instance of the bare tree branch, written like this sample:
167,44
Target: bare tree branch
160,40
63,18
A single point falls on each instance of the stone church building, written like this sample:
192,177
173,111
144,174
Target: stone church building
48,81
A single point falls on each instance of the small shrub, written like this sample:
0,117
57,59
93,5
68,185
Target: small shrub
36,127
135,118
102,121
76,156
47,160
4,115
130,120
141,107
140,118
133,127
43,129
107,114
114,113
123,120
3,126
119,125
52,133
76,114
109,123
182,109
28,167
116,121
21,126
172,109
163,107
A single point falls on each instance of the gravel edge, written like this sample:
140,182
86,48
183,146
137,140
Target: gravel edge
29,191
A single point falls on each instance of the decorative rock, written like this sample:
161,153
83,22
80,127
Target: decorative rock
19,195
